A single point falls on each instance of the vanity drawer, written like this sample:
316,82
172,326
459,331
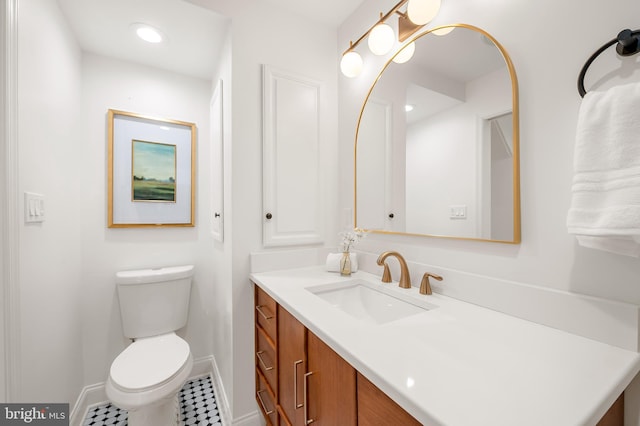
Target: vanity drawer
266,312
266,358
266,400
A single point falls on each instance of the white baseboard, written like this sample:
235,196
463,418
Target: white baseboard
90,396
94,395
221,395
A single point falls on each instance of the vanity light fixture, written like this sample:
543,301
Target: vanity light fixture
421,12
443,31
351,64
148,33
405,54
381,37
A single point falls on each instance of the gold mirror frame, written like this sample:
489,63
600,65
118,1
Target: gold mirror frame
516,142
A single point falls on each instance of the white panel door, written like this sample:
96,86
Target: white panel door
373,170
217,164
291,186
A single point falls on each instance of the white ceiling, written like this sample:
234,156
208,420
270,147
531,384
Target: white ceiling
194,33
330,12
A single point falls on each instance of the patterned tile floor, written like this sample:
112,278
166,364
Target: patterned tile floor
197,407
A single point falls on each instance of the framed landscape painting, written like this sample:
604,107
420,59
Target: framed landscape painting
151,172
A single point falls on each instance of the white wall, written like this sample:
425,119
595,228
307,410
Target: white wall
109,83
549,101
83,254
547,70
4,208
222,303
443,157
50,163
262,34
70,321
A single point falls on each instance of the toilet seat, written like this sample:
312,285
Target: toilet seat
149,363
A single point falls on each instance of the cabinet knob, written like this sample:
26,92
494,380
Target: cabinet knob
216,215
269,216
391,215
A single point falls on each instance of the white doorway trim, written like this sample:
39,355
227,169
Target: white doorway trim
9,210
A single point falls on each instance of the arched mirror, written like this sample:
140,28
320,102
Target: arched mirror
437,141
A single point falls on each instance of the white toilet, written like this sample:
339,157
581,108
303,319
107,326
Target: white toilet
146,377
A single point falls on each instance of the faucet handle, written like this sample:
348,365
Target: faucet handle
425,285
386,273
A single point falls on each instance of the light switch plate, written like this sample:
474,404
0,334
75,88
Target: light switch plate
458,212
33,207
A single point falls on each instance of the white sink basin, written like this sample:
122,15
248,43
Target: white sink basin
364,301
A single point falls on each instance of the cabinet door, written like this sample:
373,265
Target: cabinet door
266,400
266,313
375,408
330,386
292,364
291,173
266,358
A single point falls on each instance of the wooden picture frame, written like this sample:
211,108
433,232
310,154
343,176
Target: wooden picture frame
151,171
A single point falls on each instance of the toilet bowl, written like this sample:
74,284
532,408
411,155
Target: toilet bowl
146,377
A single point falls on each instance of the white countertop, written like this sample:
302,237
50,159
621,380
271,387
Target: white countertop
461,364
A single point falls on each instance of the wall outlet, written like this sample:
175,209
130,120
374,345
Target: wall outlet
458,212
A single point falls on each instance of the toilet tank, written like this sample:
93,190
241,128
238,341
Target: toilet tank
154,301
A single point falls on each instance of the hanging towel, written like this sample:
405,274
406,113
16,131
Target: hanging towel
605,202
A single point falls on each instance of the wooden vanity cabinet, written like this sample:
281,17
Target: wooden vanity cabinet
311,373
375,408
331,386
292,365
266,400
266,355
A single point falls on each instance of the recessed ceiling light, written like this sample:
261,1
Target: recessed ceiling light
408,107
148,33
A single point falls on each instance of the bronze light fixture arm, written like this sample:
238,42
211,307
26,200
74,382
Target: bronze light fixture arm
383,18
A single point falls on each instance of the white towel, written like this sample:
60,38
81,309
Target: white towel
333,262
605,203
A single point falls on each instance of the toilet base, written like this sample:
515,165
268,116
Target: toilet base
163,414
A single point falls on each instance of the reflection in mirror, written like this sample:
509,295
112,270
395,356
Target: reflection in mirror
437,142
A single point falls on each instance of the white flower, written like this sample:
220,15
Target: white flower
350,239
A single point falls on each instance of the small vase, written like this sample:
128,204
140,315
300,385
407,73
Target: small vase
345,264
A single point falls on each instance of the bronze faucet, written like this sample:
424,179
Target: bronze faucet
425,285
405,278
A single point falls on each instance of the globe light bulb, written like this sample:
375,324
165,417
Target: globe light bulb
421,12
443,31
405,54
351,64
381,39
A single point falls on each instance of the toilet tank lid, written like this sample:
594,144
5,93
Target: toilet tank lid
154,275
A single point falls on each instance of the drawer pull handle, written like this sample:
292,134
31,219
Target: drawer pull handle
295,384
267,412
265,316
307,420
259,355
